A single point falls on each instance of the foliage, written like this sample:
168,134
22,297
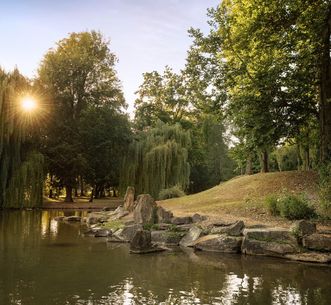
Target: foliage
290,206
21,165
157,159
77,74
325,189
172,192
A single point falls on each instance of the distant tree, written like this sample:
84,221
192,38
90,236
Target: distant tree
105,135
79,72
21,164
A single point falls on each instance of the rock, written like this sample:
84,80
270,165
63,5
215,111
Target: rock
145,210
163,216
129,203
222,223
269,242
107,209
270,234
119,213
320,242
267,248
234,229
59,218
163,226
128,232
312,257
198,218
103,233
95,218
193,234
72,218
142,243
181,220
219,243
303,227
166,237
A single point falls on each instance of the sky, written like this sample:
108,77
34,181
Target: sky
145,35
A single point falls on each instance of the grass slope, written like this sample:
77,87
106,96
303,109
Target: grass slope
243,196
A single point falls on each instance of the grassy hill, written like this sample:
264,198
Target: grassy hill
243,196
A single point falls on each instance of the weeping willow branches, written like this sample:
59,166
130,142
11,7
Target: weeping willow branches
158,159
21,168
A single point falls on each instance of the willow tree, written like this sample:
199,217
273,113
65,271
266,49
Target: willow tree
21,167
157,160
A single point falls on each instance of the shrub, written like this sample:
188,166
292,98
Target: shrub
290,206
325,190
296,207
272,204
173,192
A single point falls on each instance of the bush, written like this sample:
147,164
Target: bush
325,190
272,204
173,192
290,206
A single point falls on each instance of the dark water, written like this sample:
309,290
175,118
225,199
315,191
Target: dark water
43,262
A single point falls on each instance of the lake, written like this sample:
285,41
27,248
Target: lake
45,262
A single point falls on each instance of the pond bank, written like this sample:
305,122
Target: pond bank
149,226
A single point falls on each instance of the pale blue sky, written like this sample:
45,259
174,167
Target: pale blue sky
145,35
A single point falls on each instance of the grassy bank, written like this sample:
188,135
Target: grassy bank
244,196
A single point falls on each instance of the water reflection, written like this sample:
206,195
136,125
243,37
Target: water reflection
47,262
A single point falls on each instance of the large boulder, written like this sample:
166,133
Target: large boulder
320,242
145,210
163,216
142,243
129,202
181,220
234,229
167,237
126,234
191,236
219,243
269,242
303,227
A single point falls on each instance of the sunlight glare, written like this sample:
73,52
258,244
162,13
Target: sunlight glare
29,104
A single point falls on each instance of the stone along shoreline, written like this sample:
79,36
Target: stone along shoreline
150,228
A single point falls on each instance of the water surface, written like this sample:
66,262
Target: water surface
44,262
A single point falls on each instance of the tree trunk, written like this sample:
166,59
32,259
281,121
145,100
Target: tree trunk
50,195
81,182
249,166
325,94
68,194
92,195
265,162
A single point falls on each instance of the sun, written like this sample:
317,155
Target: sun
28,104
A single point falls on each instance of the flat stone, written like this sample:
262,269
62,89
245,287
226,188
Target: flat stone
303,227
73,218
103,233
267,248
219,243
181,220
311,257
234,229
320,242
270,234
191,236
167,237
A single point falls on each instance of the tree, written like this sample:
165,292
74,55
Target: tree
104,143
78,73
21,165
158,159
